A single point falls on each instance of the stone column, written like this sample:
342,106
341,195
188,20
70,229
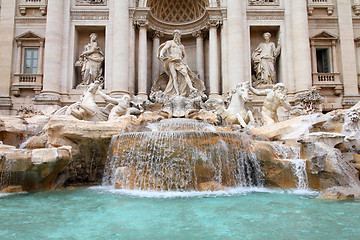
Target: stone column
120,79
142,60
213,60
40,59
224,56
155,60
334,57
301,49
199,54
7,25
313,58
347,47
19,58
132,53
235,41
53,51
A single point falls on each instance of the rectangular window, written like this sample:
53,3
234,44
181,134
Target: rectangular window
30,60
323,60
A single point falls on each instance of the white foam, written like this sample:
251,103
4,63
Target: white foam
9,194
193,194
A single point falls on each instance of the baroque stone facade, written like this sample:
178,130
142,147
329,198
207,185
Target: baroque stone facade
42,39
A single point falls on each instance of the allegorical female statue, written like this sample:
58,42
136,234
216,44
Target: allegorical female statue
264,58
90,61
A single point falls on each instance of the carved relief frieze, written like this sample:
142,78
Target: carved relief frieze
263,2
91,2
262,15
89,15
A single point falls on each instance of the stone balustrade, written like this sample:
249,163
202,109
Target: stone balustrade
356,7
329,5
27,4
26,81
328,80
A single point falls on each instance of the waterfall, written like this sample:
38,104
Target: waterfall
180,154
6,166
292,154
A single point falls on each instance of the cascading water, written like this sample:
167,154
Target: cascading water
292,154
180,154
6,167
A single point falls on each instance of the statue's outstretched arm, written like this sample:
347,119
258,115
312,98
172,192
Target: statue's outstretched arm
107,98
258,92
162,49
286,104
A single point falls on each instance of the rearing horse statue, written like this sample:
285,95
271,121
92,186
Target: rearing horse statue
236,112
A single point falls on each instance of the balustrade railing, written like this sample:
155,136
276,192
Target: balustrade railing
40,4
327,4
326,78
26,81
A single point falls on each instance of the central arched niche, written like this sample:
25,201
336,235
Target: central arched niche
177,11
186,15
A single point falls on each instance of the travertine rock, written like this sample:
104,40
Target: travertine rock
211,186
290,129
33,169
12,189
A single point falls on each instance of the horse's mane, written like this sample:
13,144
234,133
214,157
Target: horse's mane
230,94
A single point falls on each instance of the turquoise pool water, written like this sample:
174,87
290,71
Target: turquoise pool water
101,213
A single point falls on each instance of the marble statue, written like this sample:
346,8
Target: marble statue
264,58
121,108
87,109
182,80
236,111
275,98
90,61
351,130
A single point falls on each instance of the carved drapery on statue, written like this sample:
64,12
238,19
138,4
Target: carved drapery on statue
264,58
90,61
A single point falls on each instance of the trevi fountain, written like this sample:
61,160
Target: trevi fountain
181,164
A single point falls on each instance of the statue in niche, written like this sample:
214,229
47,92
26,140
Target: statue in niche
121,108
264,58
90,61
180,80
87,109
275,98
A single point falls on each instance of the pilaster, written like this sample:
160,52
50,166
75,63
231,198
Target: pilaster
7,26
301,47
53,54
235,39
347,47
